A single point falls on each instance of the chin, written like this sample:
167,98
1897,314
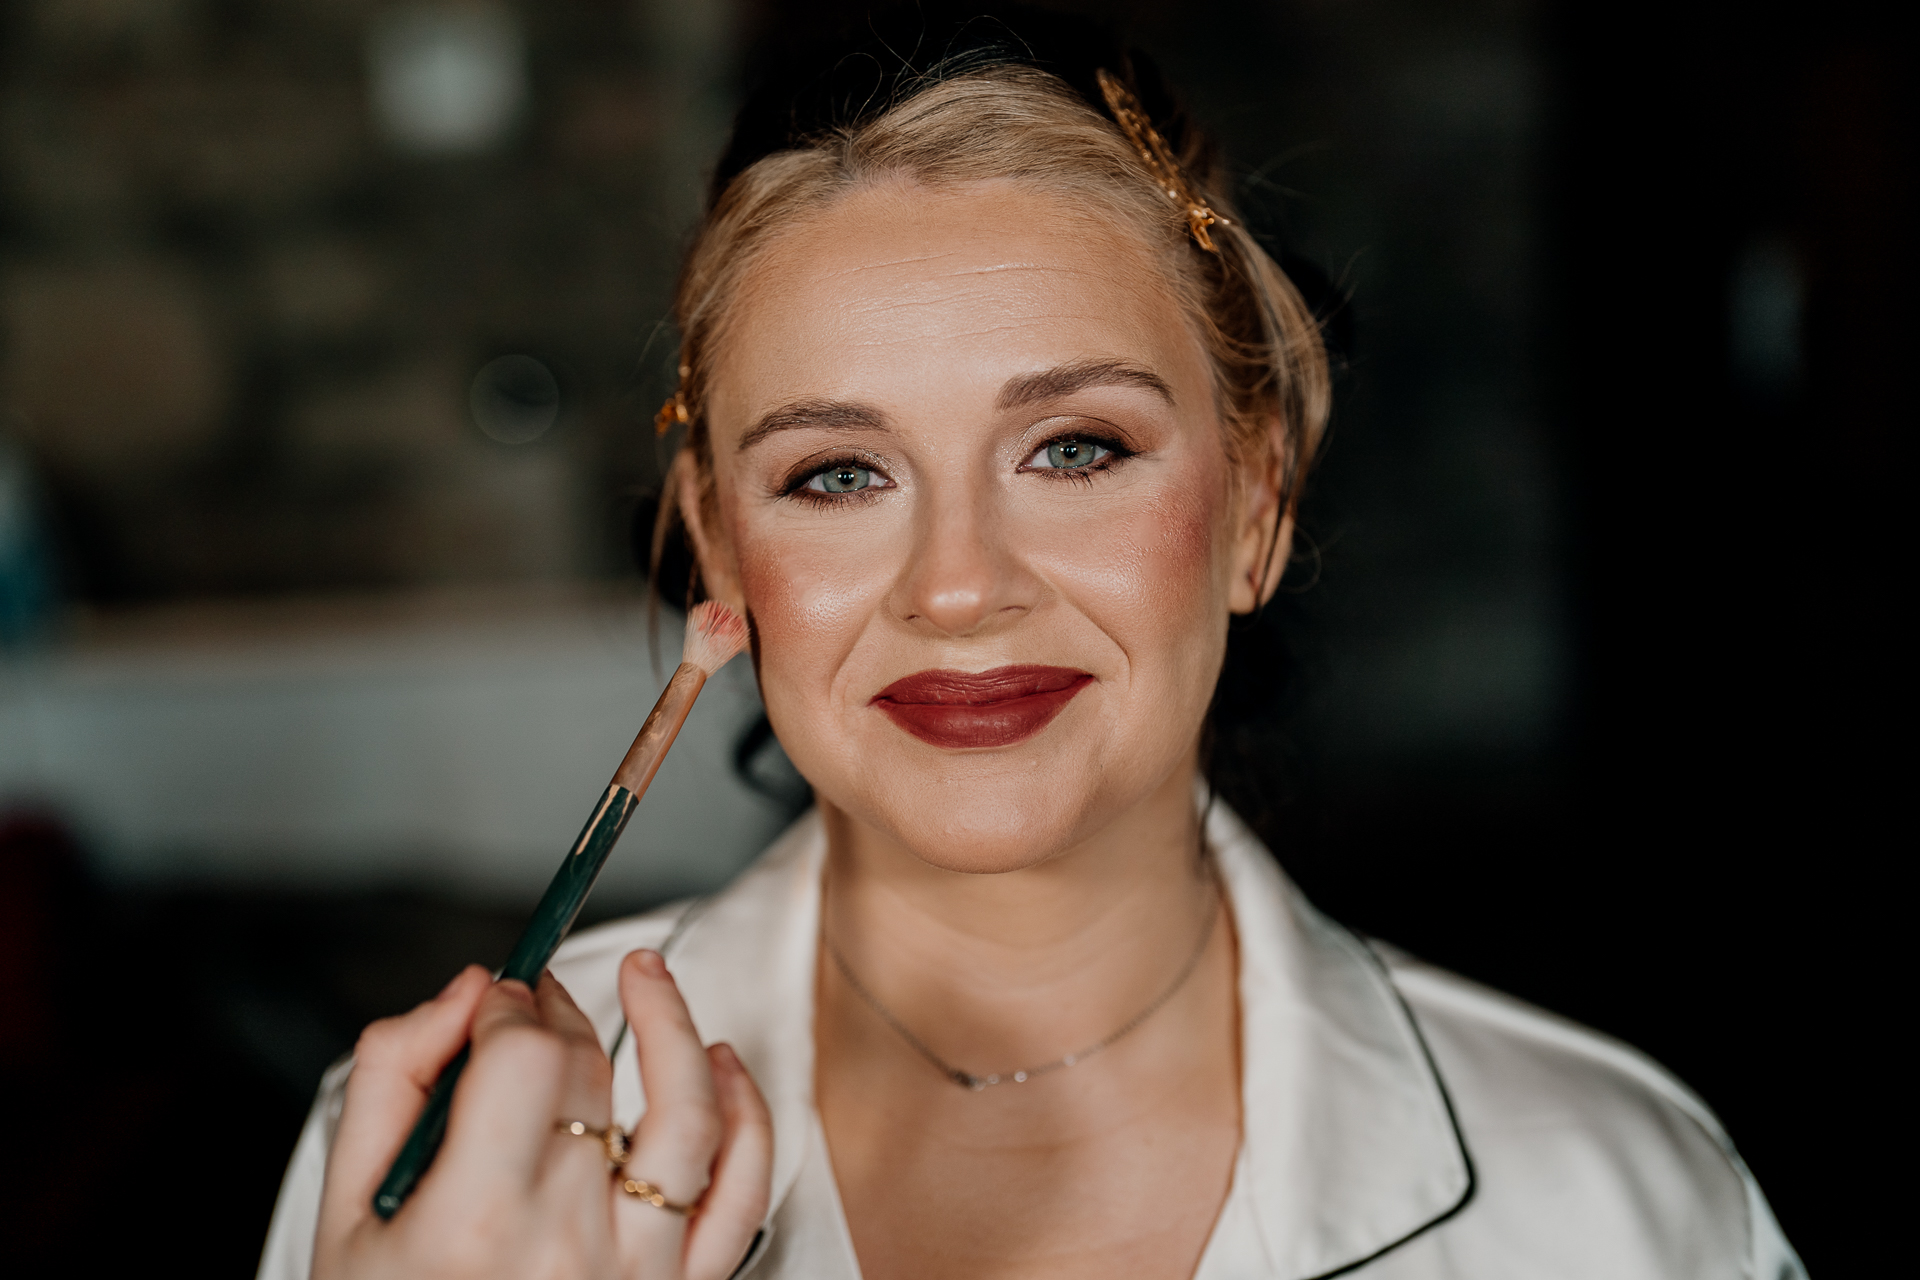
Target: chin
990,814
984,848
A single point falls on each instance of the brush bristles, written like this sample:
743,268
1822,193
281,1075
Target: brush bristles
714,634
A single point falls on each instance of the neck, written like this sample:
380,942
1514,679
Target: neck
1002,969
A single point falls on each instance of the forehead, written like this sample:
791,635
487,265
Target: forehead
900,290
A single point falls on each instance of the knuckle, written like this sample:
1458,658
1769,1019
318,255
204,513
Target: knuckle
593,1067
483,1234
528,1048
380,1041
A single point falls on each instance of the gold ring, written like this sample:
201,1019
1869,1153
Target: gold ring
654,1196
613,1138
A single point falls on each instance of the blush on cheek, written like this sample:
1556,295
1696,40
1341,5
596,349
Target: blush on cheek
1198,526
1191,537
812,602
809,605
1175,546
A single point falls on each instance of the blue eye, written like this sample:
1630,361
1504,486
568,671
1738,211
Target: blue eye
845,478
1069,455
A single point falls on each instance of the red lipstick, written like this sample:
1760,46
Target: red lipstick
958,709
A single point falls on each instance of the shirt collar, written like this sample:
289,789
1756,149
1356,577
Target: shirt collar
1350,1140
1350,1145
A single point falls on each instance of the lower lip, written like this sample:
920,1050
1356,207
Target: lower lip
961,725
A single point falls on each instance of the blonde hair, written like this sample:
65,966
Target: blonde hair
1019,124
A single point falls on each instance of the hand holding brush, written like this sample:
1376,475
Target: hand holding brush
714,634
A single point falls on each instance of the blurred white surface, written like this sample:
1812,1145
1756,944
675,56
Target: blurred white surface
453,742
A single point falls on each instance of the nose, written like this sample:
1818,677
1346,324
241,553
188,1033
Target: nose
960,576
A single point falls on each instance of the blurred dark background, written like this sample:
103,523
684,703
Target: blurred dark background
333,327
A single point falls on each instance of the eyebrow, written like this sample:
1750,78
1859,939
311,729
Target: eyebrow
819,415
1064,380
1026,389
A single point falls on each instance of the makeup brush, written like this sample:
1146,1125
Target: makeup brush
714,634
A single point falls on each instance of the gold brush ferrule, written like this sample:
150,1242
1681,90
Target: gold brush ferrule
657,734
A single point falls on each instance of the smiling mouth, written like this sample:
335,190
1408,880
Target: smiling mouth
963,709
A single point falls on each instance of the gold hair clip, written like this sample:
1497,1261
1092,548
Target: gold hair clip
674,412
1158,158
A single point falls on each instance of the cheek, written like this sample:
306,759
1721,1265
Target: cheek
1187,542
810,594
1153,576
791,593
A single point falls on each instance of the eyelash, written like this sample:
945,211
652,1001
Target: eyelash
796,484
1116,454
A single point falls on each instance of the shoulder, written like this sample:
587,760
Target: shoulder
1543,1067
1583,1144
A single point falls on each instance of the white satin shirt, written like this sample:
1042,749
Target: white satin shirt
1401,1123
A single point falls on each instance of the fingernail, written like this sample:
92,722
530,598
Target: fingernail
517,989
652,964
448,989
728,1058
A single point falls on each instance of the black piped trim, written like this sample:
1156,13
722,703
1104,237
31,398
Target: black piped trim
1453,1120
751,1256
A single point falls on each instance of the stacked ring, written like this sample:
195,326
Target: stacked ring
613,1138
654,1196
618,1145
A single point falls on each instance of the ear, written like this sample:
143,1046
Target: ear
1264,539
712,548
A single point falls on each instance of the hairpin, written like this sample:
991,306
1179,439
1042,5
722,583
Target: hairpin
1158,158
674,412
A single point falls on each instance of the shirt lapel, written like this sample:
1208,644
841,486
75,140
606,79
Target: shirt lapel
1350,1141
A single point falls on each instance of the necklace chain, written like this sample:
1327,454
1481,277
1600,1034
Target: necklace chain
966,1079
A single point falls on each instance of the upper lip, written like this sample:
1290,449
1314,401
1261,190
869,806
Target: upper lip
979,688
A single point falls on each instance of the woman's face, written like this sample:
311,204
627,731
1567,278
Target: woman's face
972,492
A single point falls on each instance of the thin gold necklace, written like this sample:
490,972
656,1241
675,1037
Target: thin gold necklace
968,1080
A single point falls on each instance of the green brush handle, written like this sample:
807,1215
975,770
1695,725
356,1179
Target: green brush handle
565,895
